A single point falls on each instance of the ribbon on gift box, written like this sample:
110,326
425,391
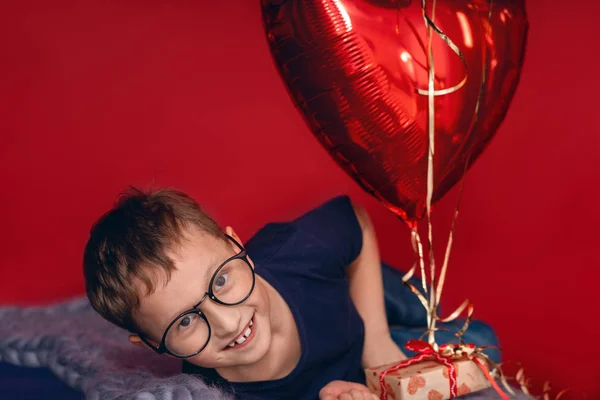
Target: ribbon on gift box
447,354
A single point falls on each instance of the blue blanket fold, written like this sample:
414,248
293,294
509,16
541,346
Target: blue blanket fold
91,355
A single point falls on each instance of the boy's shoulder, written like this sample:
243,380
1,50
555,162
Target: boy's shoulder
269,240
333,216
320,243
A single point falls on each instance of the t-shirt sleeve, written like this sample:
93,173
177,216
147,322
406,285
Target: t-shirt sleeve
335,227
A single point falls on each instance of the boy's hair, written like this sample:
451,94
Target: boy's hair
130,243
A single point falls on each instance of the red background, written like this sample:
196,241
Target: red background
97,95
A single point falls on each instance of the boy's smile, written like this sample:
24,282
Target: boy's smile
244,338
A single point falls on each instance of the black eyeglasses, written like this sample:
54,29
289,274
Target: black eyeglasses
189,333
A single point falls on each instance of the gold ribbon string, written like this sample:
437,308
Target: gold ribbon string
524,383
497,369
432,311
548,388
430,24
444,269
418,247
456,209
436,290
413,289
465,350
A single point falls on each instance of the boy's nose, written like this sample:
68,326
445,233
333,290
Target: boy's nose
224,321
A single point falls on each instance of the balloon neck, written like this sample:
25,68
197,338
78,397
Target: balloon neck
412,225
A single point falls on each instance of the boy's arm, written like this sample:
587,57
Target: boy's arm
366,291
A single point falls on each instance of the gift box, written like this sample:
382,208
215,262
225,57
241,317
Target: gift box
428,380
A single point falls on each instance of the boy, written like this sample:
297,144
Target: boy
297,312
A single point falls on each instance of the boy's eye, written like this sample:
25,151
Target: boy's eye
221,281
186,321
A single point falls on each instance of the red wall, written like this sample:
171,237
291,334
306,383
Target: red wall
96,95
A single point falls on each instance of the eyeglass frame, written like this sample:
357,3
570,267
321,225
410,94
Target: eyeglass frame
162,347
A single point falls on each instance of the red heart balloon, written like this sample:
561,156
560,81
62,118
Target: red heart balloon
357,70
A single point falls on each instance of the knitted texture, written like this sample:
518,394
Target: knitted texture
92,355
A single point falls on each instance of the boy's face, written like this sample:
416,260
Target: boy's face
196,260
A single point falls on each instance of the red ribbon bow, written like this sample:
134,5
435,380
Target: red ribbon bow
446,354
426,352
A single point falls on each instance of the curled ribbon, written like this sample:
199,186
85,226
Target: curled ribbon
446,354
524,383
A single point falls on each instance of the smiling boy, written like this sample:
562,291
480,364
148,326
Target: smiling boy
295,313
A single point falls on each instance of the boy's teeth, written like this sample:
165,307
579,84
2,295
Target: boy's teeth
240,340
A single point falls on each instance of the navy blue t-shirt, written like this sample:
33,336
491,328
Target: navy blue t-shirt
305,261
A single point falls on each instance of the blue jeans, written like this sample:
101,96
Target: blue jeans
408,319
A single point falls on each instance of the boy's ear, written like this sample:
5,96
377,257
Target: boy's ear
229,230
136,341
